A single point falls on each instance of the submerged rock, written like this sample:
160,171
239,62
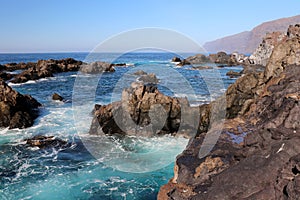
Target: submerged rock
16,110
57,97
42,142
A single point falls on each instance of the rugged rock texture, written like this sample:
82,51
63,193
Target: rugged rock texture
144,110
97,67
44,68
16,110
218,58
262,54
246,42
258,154
43,142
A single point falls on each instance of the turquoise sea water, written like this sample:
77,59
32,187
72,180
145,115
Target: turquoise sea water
74,172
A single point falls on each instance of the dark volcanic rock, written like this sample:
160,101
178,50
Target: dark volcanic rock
263,109
45,142
16,110
45,68
176,59
5,76
57,97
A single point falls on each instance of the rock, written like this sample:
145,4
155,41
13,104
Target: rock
97,67
263,52
219,58
2,67
140,72
45,142
176,59
293,31
263,109
16,110
222,58
233,74
252,68
43,69
145,111
196,59
5,76
31,74
118,64
201,67
57,97
149,78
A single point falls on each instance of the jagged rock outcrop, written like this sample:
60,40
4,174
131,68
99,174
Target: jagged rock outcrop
263,52
257,154
218,58
16,110
44,68
97,67
145,111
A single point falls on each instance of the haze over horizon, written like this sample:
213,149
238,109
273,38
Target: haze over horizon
79,26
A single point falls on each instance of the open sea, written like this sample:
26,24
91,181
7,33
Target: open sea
132,168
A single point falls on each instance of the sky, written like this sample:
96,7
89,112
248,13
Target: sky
81,25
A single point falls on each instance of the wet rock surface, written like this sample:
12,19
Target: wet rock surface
145,111
16,110
43,69
43,142
57,97
263,110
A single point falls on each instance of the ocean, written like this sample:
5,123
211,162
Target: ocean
76,172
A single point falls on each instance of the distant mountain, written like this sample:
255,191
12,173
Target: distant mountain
247,41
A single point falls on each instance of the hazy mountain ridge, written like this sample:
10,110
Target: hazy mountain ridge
247,41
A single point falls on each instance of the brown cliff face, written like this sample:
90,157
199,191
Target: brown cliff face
258,154
247,41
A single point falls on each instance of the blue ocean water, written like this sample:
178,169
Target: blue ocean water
74,172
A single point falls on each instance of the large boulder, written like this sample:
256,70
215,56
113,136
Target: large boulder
16,110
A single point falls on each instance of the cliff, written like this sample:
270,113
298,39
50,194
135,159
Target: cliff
247,41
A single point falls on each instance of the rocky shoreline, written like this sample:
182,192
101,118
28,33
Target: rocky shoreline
263,110
259,135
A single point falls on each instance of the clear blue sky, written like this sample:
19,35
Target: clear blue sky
79,25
